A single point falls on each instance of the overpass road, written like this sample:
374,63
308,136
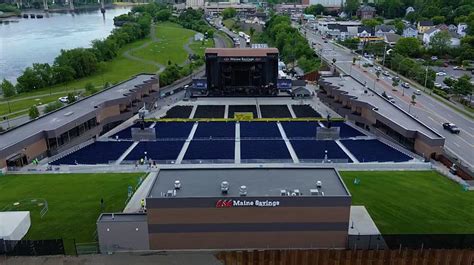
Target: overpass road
428,110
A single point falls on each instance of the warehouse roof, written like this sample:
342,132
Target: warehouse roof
260,182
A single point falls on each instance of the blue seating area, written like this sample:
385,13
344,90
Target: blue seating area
210,150
263,149
374,150
300,129
127,132
259,130
346,131
173,130
160,150
312,149
207,130
96,153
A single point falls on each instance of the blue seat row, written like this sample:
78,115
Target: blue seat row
314,149
208,130
263,149
210,150
96,153
160,150
374,151
259,130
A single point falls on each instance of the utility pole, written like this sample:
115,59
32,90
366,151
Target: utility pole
384,53
426,78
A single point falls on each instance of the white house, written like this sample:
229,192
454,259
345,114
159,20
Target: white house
381,30
409,10
462,29
410,32
455,41
429,34
391,39
364,31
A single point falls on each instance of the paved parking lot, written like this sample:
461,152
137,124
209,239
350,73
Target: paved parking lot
450,72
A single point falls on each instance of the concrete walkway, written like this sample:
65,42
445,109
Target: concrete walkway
134,205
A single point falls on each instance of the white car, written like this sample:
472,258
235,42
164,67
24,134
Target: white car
417,92
440,73
63,99
437,85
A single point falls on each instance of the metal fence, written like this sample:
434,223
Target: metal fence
32,247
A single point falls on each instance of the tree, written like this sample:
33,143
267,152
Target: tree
408,47
33,112
413,99
371,22
354,60
438,20
351,7
52,106
229,12
315,10
439,43
251,32
8,88
449,81
463,86
71,98
377,74
28,81
399,25
90,88
163,15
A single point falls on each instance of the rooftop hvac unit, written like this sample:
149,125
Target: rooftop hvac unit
283,192
224,187
169,193
177,184
314,191
319,184
296,192
243,190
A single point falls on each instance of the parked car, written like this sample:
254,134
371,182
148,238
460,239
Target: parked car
385,73
63,99
417,92
405,85
451,127
457,68
440,73
434,58
437,85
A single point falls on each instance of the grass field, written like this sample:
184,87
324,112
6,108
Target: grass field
73,201
402,202
172,37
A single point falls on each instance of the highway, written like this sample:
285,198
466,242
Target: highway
428,110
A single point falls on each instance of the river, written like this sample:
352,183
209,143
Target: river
31,41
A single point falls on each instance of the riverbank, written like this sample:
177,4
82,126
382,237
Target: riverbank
167,38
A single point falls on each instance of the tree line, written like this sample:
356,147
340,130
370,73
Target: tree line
293,47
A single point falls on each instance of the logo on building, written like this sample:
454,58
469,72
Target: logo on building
224,203
246,203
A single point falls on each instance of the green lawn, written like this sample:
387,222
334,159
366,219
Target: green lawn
402,202
172,37
73,201
199,48
229,23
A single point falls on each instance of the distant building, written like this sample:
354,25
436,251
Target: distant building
462,29
391,38
331,4
366,12
455,40
290,9
381,30
217,8
195,4
424,26
409,10
410,32
364,31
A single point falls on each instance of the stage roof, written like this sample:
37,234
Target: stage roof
243,52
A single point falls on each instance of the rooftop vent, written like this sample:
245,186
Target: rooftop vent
177,184
171,193
283,192
224,187
319,184
314,191
243,190
296,192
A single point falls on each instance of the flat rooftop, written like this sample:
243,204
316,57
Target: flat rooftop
71,112
260,182
122,217
241,52
385,108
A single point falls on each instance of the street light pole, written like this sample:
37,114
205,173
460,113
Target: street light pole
426,78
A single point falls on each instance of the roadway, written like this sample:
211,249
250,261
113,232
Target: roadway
428,110
218,24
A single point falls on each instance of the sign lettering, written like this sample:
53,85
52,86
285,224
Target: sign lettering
246,203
